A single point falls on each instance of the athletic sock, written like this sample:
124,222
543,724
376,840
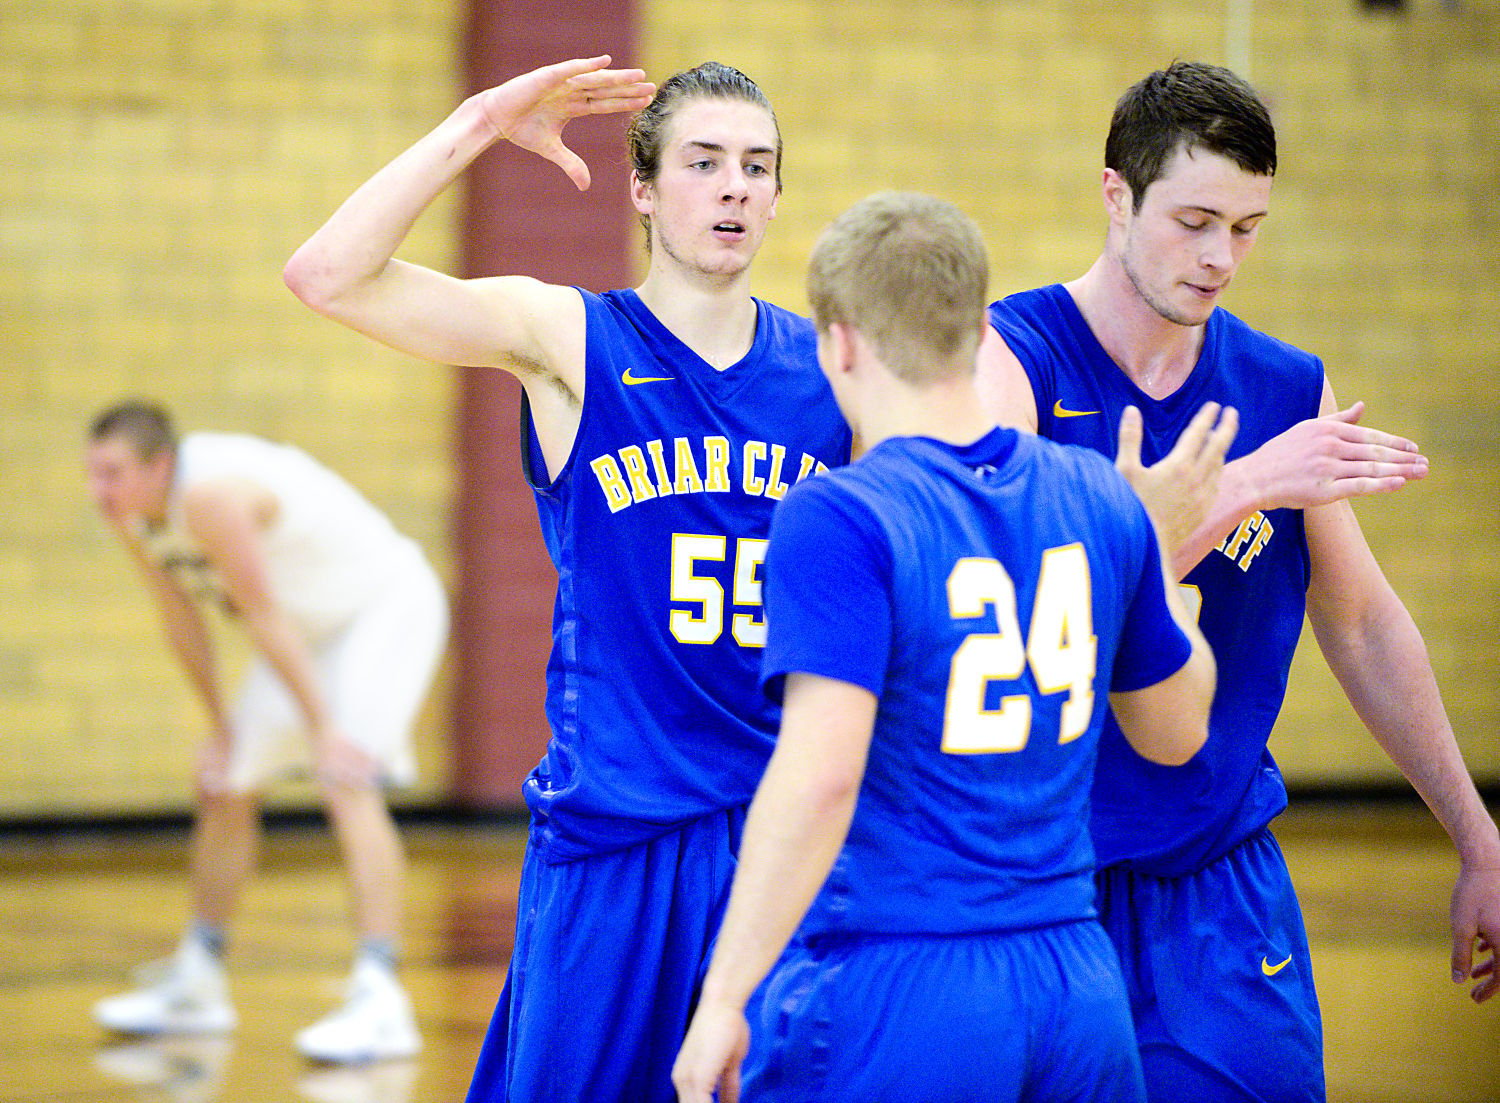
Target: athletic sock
381,951
210,936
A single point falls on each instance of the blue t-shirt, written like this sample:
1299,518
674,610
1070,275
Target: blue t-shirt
977,591
657,524
1250,592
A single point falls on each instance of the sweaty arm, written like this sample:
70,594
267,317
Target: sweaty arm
795,829
1377,654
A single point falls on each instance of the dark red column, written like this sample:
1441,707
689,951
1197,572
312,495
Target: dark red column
522,216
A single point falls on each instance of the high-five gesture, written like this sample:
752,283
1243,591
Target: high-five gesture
1179,488
531,110
1332,457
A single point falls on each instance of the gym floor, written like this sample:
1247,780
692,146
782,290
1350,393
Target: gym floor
79,909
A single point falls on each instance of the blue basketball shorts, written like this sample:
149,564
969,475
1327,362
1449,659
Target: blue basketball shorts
1220,980
609,956
1038,1015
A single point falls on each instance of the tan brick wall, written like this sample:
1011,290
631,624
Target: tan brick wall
158,163
1378,255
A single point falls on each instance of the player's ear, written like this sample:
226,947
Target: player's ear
1118,200
640,194
840,348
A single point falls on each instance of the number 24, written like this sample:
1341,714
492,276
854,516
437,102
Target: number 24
1061,648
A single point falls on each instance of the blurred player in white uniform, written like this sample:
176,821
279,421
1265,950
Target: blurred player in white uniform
348,622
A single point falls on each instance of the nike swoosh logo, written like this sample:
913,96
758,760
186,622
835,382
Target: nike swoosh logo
1058,410
631,380
1271,970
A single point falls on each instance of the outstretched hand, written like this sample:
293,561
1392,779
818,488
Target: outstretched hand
1330,458
531,110
1179,488
711,1055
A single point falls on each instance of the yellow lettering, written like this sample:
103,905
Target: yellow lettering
716,462
688,481
635,468
1236,540
777,489
1262,538
807,466
659,465
616,493
755,450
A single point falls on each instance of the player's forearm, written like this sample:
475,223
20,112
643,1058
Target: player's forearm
1383,667
793,833
1234,501
193,647
282,643
357,243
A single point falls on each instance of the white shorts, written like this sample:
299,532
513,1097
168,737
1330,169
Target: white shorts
375,673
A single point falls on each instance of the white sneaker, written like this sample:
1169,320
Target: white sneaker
374,1023
188,996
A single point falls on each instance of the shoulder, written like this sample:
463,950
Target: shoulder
1242,340
1026,312
782,329
1080,478
842,504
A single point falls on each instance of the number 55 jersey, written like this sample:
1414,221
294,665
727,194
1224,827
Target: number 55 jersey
657,524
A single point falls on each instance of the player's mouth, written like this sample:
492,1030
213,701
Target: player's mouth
729,230
1204,292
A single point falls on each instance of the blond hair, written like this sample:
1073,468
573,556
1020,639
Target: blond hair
910,273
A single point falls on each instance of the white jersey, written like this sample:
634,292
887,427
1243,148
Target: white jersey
329,553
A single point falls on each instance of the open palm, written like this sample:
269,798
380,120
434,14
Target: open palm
531,110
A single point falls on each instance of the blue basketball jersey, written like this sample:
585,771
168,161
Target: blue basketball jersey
981,592
1250,591
657,525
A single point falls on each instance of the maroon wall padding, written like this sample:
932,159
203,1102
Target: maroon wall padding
522,216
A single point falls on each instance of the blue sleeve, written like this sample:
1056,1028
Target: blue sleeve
1152,646
827,590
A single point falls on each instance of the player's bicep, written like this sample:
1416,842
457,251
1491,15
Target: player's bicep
510,322
1166,722
826,726
1004,388
223,523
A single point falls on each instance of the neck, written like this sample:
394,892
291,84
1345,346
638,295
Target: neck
948,411
1156,354
713,315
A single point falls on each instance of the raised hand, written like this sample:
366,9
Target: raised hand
1180,487
531,110
1326,459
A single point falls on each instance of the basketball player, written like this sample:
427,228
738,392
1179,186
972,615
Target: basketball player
1193,888
663,425
348,622
948,615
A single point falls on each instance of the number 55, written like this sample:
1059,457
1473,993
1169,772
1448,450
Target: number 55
705,624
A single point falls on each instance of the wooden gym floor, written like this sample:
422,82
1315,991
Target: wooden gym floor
78,910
